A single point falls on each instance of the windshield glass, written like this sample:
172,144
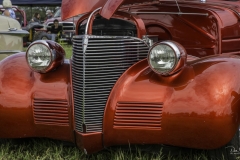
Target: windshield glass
58,13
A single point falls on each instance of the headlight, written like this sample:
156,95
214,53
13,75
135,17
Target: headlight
166,57
43,56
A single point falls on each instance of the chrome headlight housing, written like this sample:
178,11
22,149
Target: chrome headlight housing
43,56
167,57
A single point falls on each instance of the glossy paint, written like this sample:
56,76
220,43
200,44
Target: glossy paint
192,107
89,143
72,8
214,34
31,102
206,35
196,105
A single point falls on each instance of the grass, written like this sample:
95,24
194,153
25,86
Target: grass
45,149
68,50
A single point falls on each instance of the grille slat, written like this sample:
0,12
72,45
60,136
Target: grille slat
99,40
108,56
106,63
115,52
96,71
124,47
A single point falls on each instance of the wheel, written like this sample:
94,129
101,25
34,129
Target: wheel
40,35
228,152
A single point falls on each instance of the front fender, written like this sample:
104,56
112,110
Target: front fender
198,107
34,104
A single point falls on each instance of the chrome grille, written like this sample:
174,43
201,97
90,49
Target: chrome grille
97,63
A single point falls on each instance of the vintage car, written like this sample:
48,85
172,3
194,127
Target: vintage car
20,15
142,72
11,34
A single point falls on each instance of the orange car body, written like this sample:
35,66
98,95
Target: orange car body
197,107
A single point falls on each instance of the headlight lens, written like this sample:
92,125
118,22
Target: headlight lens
44,56
162,58
166,57
39,57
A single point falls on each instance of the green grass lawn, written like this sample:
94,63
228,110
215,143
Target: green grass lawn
68,50
41,148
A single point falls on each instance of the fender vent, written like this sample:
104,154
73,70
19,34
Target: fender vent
138,115
51,112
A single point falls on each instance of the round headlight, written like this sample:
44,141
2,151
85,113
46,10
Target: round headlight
166,57
43,56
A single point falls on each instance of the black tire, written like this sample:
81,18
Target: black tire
228,152
40,36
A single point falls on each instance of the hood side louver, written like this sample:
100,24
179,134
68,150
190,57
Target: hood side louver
51,112
138,115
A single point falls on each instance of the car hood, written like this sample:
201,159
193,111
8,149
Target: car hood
72,8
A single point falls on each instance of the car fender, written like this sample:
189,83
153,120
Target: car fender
198,107
34,104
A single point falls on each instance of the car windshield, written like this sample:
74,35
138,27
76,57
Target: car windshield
57,14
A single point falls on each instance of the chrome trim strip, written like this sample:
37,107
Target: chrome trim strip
90,17
178,13
84,46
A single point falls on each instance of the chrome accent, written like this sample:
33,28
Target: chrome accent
147,40
94,73
178,6
12,29
90,17
179,13
174,47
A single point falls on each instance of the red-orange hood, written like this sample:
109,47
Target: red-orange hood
72,8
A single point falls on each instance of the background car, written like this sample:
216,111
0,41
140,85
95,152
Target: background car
11,34
20,15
